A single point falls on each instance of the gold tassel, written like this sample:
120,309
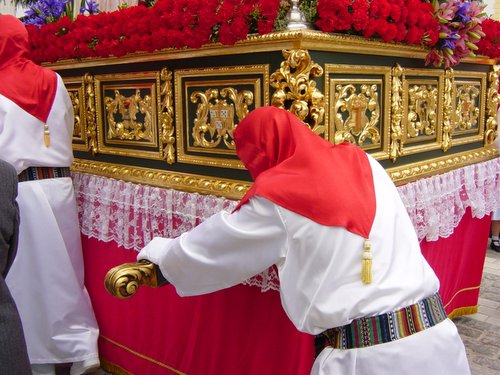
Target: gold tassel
366,269
46,135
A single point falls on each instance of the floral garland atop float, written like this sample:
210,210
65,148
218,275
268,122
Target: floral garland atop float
451,30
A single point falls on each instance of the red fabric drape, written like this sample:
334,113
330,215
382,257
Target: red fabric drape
239,330
458,262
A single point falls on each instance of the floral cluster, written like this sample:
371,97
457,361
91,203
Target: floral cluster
451,29
42,12
167,24
460,30
409,21
489,45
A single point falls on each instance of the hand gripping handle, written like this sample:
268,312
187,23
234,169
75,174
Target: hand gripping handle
123,281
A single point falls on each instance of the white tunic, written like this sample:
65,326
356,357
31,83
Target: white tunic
46,279
320,277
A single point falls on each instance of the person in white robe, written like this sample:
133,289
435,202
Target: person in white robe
349,262
47,276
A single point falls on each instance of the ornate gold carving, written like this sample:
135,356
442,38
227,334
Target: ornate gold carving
127,114
122,114
166,115
90,112
123,281
415,171
220,127
422,110
208,104
231,189
296,91
492,105
467,112
397,111
448,123
74,96
361,102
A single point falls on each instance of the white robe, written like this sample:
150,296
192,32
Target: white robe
320,277
46,279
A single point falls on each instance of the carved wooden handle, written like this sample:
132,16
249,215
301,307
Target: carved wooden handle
123,281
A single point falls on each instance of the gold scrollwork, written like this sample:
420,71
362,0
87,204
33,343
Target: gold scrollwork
422,110
166,115
77,122
90,112
448,123
122,114
397,110
231,189
123,281
296,90
215,115
363,113
493,101
467,111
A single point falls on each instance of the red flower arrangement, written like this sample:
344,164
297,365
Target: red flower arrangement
168,24
193,23
489,45
409,21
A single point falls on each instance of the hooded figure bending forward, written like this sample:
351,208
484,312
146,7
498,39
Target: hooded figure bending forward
349,262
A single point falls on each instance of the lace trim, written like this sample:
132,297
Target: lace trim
132,214
437,204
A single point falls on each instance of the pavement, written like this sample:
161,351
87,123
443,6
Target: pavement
480,332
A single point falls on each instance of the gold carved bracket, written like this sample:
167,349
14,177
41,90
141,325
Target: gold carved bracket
166,115
90,111
295,89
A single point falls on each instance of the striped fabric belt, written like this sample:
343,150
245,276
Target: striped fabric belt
40,173
368,331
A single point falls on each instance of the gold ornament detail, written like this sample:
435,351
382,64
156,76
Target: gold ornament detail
77,121
397,111
122,115
422,110
166,115
296,90
230,189
215,114
417,170
363,114
123,281
467,112
90,112
448,122
493,101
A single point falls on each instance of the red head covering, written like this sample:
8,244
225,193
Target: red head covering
30,86
302,172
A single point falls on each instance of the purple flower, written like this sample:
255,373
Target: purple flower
448,42
90,6
45,11
463,12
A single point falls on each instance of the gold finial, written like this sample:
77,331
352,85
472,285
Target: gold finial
46,135
366,267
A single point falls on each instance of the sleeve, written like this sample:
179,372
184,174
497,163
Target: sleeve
223,251
9,229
